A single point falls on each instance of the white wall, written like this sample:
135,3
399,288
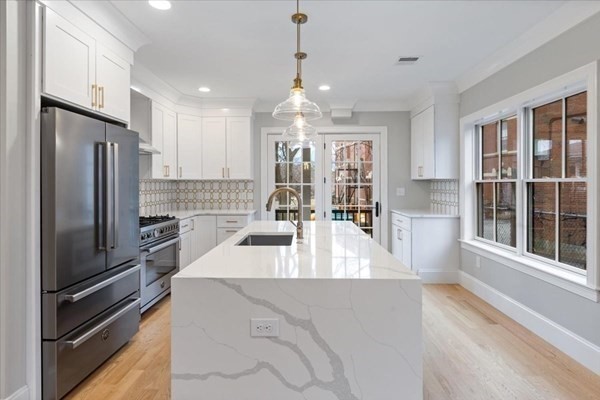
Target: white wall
398,124
13,291
575,48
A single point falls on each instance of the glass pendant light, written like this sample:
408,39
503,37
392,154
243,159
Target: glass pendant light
297,107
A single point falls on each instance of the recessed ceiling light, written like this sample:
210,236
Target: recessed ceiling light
225,109
324,88
204,89
160,4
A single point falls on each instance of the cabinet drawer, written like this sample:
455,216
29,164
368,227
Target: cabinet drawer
225,233
185,225
232,221
401,221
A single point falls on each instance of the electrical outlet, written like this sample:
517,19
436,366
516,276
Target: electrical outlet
400,191
264,327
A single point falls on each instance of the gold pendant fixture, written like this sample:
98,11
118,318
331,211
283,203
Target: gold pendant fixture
297,107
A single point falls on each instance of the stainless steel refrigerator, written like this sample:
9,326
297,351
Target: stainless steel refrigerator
90,245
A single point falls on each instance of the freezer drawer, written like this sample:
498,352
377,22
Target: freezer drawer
67,361
66,310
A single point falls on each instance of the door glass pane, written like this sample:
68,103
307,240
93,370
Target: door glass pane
489,146
281,173
576,135
508,148
352,183
542,219
506,214
547,141
573,224
485,206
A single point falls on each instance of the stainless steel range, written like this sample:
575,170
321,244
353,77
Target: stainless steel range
159,257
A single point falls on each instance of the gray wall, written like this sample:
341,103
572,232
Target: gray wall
13,164
573,49
398,150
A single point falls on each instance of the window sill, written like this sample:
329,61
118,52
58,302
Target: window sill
570,281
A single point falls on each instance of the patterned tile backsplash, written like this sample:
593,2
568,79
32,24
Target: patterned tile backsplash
444,197
160,196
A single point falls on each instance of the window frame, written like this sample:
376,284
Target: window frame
584,78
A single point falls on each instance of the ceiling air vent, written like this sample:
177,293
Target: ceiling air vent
407,60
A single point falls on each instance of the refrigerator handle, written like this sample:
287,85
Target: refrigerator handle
101,196
108,195
115,180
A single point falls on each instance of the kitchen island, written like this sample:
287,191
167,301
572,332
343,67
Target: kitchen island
342,314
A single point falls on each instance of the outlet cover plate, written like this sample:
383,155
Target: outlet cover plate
264,327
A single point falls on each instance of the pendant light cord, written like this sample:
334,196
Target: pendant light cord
298,60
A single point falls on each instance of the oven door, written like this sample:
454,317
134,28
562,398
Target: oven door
159,263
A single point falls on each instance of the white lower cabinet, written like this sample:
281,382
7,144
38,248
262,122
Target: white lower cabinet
428,245
200,234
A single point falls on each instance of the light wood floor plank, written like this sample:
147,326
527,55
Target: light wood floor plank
471,352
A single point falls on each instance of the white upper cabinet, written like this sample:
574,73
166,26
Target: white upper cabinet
214,145
69,70
113,80
164,138
189,146
81,70
239,148
434,143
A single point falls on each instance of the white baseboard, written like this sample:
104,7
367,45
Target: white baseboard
439,276
580,349
21,394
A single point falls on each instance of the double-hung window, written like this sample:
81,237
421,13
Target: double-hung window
556,186
496,184
552,145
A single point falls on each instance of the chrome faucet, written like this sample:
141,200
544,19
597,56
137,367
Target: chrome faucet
299,226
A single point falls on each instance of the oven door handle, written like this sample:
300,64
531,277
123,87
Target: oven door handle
72,298
162,246
75,343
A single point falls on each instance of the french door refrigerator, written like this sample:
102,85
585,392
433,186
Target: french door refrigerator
90,270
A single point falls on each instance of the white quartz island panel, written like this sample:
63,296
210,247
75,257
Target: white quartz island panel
349,318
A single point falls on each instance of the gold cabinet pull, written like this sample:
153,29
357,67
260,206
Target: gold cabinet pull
101,90
94,95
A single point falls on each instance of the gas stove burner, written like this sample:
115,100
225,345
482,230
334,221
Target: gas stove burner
155,219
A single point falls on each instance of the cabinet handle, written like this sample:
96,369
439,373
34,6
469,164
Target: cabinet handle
168,170
228,173
180,172
193,224
165,171
223,172
420,171
101,90
230,231
400,234
94,95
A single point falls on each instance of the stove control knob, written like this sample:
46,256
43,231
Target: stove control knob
156,233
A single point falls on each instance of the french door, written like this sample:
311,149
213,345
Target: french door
337,176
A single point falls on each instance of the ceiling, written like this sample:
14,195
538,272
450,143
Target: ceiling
244,49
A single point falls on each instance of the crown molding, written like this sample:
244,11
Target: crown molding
562,19
105,14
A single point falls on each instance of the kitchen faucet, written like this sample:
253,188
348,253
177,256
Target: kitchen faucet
299,226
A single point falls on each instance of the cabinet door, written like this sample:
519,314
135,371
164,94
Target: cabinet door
204,231
170,144
185,250
189,147
113,80
69,61
225,233
158,116
239,148
428,143
416,147
214,143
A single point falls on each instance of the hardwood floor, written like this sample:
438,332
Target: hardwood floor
472,352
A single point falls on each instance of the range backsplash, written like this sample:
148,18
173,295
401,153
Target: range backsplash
444,197
161,196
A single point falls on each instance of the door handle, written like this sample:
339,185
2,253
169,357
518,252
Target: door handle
377,209
108,195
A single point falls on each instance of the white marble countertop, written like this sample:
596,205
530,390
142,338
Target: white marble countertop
422,213
330,250
183,214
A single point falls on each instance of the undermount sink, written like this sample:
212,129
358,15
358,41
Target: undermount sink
267,239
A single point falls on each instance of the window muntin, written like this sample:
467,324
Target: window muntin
496,186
